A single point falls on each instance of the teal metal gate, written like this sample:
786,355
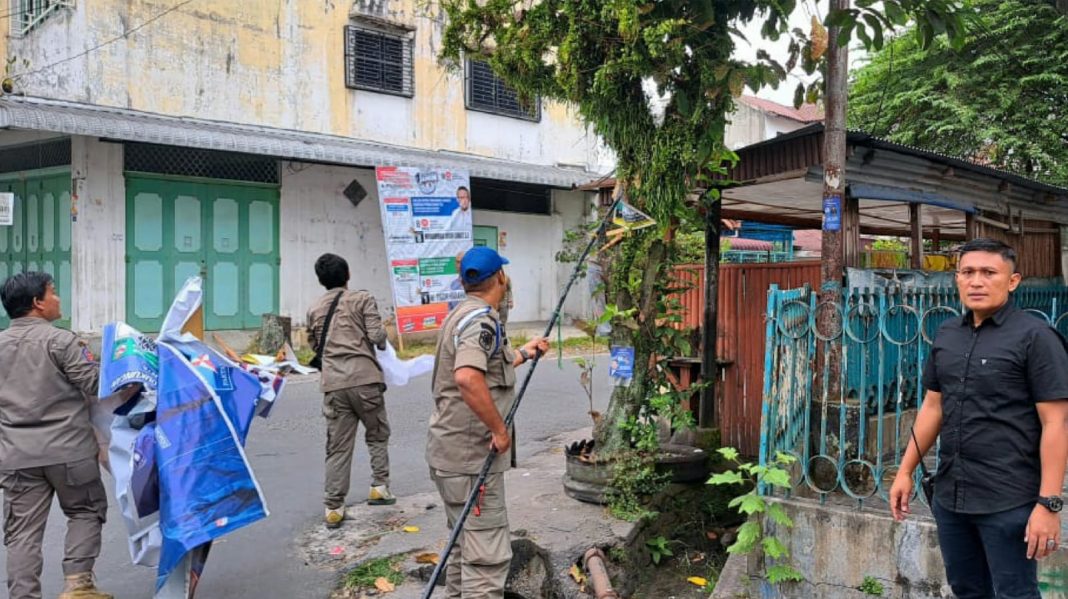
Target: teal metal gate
850,438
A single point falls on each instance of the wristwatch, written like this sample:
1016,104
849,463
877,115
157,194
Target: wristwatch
1053,503
523,352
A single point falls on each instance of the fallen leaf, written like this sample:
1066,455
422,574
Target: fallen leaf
577,574
697,580
427,558
411,529
384,585
712,536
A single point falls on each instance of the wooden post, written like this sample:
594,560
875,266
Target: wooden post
851,231
706,415
916,221
971,226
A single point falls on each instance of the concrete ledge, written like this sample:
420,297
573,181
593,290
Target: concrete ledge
835,548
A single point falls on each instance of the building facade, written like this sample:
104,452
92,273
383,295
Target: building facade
148,141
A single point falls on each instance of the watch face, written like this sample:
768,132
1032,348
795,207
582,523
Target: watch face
1056,504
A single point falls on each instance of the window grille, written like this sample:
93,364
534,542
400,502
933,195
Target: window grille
378,61
193,162
34,156
487,92
27,14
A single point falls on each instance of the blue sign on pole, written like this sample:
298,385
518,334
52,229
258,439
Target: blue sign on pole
621,368
832,213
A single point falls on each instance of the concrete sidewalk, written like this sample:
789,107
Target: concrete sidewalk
550,531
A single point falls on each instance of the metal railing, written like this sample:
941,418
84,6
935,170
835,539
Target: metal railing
850,438
754,256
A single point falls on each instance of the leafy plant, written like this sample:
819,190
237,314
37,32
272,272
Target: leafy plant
658,549
756,508
634,477
889,245
871,586
365,575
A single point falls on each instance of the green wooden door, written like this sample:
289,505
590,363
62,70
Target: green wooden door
226,233
484,236
39,239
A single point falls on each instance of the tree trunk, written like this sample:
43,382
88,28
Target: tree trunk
639,333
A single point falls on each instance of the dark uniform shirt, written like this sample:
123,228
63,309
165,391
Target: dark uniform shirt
990,378
47,377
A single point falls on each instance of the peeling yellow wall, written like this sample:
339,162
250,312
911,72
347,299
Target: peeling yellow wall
279,63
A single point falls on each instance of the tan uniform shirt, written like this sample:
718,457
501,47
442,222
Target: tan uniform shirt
47,377
349,357
458,441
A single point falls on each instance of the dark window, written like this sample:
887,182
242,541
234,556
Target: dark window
194,162
34,156
378,61
509,196
489,93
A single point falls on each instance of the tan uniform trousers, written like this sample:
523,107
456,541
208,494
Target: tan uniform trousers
27,501
478,564
344,411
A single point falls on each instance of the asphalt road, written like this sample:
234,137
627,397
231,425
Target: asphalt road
286,452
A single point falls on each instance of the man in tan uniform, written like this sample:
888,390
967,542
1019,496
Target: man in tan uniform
47,445
474,387
352,383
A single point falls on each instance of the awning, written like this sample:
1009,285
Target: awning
70,118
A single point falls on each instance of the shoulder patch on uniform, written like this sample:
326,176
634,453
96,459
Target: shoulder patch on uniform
487,339
488,327
86,352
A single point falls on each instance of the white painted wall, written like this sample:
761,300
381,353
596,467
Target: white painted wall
98,242
315,219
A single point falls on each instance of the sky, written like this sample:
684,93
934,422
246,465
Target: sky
801,18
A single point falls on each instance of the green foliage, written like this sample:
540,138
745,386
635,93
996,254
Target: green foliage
634,477
1000,98
756,509
658,549
365,575
871,586
889,245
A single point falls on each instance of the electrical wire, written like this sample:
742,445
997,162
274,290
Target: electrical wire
125,35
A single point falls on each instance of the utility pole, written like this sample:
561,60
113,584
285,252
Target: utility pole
828,318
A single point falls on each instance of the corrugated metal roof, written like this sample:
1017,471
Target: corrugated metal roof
70,118
865,139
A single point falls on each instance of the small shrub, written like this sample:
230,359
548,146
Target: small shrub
365,575
871,586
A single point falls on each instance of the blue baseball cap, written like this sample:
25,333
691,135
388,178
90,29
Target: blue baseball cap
479,264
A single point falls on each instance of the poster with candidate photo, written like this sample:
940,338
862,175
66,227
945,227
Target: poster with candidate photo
426,216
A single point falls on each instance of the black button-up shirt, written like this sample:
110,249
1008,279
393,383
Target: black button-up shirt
990,378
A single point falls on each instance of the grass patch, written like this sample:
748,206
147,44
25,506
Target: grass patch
365,575
416,349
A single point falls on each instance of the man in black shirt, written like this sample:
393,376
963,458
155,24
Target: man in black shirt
997,393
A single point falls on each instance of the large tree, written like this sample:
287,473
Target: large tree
1001,98
605,59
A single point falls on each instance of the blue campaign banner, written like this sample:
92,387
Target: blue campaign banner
238,390
126,357
207,488
424,207
832,213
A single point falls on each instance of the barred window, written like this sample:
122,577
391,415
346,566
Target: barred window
378,61
487,92
27,14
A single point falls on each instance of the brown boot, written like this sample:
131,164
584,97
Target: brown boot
82,586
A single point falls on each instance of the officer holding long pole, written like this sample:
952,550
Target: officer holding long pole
473,385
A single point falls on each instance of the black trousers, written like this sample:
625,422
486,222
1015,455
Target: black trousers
985,554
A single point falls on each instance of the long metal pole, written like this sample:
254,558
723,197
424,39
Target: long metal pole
443,557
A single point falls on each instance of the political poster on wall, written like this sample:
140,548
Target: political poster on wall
426,216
